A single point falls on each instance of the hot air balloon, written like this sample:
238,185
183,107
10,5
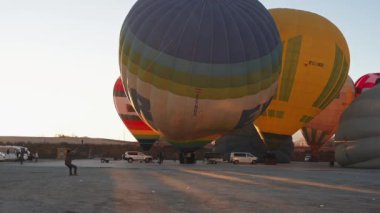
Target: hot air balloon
199,68
144,134
319,130
366,82
315,66
358,137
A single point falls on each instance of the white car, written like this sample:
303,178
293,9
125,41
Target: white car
2,156
213,157
242,157
131,156
308,158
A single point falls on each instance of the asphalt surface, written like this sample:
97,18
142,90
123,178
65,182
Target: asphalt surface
119,186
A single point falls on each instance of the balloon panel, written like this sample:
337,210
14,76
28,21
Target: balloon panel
361,118
139,129
199,68
191,145
315,66
319,130
358,133
366,82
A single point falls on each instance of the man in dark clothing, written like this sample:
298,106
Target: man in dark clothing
22,153
160,157
68,163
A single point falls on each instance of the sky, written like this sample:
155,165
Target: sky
59,60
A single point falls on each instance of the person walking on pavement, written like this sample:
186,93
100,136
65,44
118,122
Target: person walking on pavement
68,162
160,157
36,156
22,153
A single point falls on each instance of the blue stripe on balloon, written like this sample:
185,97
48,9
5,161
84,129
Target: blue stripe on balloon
207,31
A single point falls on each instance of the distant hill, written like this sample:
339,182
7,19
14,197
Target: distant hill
58,140
54,147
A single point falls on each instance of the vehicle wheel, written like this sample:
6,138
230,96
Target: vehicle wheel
148,160
236,162
130,160
253,162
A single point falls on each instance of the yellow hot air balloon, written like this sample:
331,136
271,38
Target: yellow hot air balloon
315,66
319,130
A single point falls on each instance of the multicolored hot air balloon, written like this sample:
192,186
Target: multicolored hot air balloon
366,82
199,68
319,130
315,66
144,134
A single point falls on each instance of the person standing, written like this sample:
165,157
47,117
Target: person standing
68,163
160,157
18,154
36,156
22,153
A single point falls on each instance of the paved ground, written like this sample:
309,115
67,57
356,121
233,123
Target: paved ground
138,187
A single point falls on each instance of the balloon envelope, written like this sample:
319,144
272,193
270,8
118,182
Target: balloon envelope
199,68
366,82
144,134
358,136
319,130
315,66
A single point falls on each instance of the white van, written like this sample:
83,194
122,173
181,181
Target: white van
242,157
12,152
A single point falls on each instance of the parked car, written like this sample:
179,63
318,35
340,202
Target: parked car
308,158
131,156
242,157
213,157
2,156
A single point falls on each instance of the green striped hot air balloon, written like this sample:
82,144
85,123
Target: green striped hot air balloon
195,69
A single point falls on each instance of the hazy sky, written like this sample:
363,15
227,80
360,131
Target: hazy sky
59,62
